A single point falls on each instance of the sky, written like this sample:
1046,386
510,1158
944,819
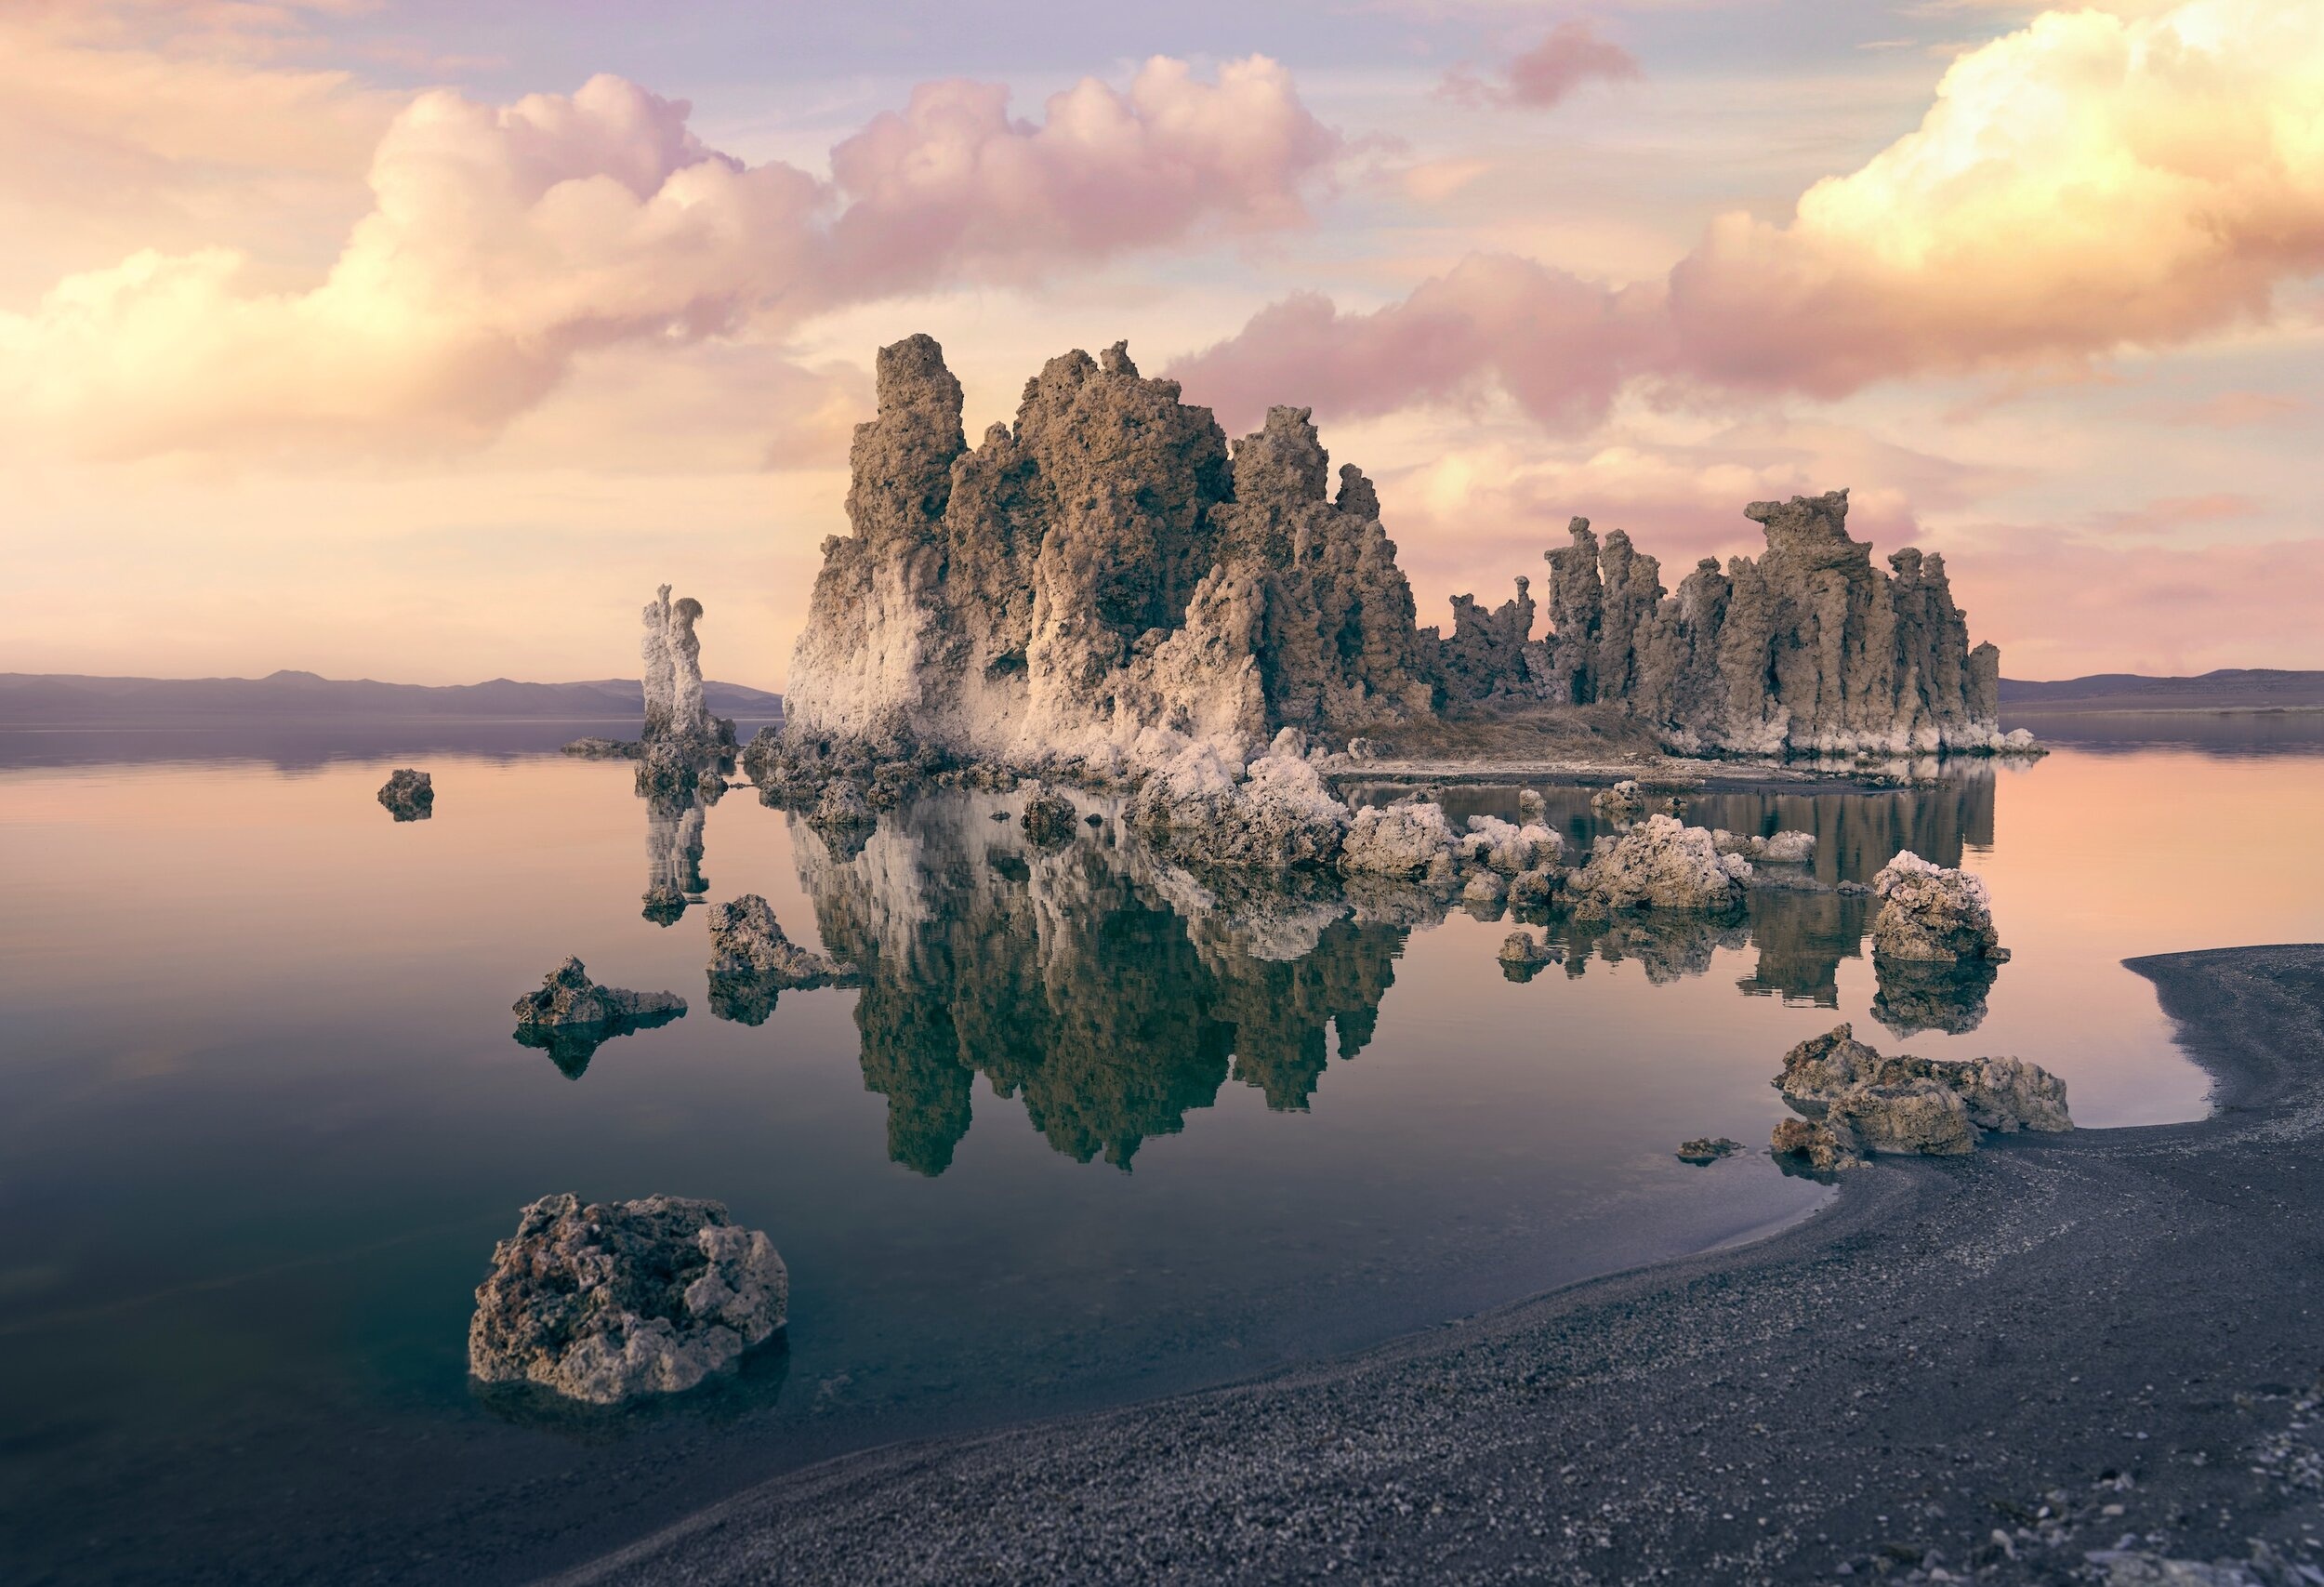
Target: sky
419,341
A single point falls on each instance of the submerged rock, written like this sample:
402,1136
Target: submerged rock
1932,914
1660,864
409,795
1705,1149
1049,817
614,1300
605,748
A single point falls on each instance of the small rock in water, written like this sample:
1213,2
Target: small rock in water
1049,817
572,1016
1814,1143
1705,1149
1623,804
1932,913
614,1300
1524,955
409,795
604,749
1871,1102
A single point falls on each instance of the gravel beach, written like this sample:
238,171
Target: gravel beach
2091,1357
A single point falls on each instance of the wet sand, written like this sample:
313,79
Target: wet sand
2009,1367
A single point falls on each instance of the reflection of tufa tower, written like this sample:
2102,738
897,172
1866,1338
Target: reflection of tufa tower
673,856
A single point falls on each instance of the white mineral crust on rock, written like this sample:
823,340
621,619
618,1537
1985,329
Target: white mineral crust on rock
1500,846
1663,864
1401,840
613,1300
1932,913
1278,816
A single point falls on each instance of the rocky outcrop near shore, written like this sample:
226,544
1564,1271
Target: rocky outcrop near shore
1860,1101
752,960
1660,864
409,795
614,1300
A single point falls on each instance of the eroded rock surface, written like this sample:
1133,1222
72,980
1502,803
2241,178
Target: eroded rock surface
1932,914
671,652
614,1300
568,998
1660,864
1277,815
1807,649
409,795
746,940
1872,1103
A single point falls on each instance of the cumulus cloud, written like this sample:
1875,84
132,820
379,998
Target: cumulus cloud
1561,346
1568,56
504,242
2089,183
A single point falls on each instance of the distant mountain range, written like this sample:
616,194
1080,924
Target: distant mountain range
2230,689
56,699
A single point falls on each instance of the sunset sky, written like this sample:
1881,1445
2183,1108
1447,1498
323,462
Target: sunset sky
419,340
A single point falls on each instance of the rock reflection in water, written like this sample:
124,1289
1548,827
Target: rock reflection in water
673,855
572,1047
1108,992
1946,997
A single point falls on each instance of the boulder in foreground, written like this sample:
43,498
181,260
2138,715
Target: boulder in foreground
613,1300
1861,1101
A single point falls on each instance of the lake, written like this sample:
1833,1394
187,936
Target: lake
1094,1129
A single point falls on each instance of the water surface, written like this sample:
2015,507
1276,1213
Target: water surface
1094,1129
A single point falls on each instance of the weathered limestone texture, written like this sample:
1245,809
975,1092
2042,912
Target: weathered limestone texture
1660,864
1869,1103
672,656
567,997
409,795
1278,815
613,1300
1932,914
1805,650
1105,584
746,940
1099,586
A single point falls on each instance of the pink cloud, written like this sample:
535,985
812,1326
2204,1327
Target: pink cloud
1570,55
504,241
2087,185
1562,346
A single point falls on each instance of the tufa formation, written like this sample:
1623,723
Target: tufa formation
1108,583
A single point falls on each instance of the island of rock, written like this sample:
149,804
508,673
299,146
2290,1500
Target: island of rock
1107,589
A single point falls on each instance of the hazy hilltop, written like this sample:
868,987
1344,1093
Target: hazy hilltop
34,699
2235,688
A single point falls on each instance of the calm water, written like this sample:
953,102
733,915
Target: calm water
1091,1133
